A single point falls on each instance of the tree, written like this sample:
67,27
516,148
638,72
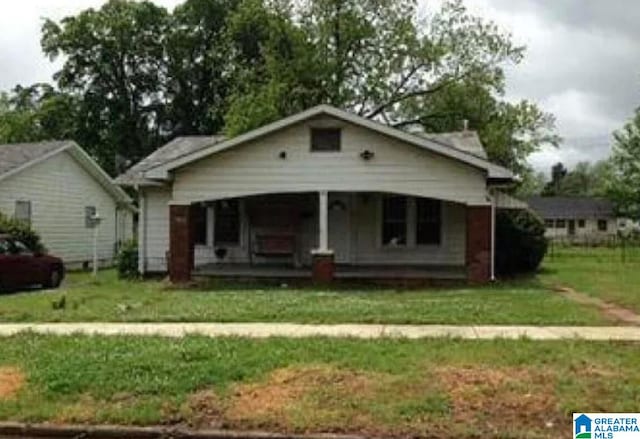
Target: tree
558,173
114,63
625,184
37,112
198,51
373,58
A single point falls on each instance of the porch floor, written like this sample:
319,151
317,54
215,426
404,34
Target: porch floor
444,272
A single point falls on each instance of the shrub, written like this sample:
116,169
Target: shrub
22,232
127,260
520,242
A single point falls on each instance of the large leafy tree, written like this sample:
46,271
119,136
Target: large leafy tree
198,79
625,184
137,75
37,112
114,61
373,58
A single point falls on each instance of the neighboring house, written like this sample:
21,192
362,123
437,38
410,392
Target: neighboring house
57,188
322,193
576,218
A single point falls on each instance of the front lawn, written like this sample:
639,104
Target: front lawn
611,274
440,388
109,299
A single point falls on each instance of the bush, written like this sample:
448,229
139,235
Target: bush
22,232
127,260
520,242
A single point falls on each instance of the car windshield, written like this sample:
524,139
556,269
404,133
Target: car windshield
12,247
5,246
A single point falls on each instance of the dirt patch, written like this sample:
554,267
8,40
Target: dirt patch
204,409
497,400
82,411
609,310
11,381
311,393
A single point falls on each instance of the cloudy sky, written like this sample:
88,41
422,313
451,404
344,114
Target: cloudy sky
582,61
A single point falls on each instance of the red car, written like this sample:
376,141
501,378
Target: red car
20,267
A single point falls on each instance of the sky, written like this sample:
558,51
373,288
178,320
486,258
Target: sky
581,62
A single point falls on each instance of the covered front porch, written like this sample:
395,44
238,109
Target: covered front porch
330,235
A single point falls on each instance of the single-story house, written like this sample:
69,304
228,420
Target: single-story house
576,218
323,193
59,189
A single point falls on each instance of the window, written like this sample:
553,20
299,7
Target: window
394,221
200,224
5,246
325,139
23,211
428,221
227,223
581,223
89,215
602,225
548,223
561,224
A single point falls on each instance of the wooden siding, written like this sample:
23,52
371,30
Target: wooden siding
257,168
154,228
59,190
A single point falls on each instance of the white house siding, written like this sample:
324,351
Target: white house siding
256,168
59,189
588,232
154,228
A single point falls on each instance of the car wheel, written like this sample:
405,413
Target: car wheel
54,279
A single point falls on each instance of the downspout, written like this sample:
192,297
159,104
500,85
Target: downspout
493,235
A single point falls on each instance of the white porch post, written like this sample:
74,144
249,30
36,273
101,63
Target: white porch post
323,241
323,264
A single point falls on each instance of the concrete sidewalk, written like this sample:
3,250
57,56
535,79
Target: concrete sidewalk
262,330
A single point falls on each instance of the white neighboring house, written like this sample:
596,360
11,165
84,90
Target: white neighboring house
579,219
57,187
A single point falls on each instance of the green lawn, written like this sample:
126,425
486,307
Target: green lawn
441,388
606,273
109,299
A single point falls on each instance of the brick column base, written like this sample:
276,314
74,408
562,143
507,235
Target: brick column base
478,257
180,243
323,267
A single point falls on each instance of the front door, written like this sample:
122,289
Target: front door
572,227
340,226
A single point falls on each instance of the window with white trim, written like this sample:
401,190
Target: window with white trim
394,220
227,222
325,139
23,211
428,221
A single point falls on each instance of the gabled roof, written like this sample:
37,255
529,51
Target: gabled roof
16,157
454,147
178,147
571,207
466,141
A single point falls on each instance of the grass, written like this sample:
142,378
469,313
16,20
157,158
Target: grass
606,273
110,299
438,388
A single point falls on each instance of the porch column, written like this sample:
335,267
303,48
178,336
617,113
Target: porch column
181,235
323,262
478,257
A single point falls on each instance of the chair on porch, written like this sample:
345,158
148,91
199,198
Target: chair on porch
273,230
